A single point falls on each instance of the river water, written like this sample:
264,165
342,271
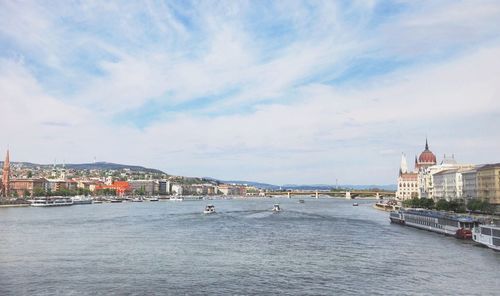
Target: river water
320,247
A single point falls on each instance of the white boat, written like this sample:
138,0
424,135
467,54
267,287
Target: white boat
488,235
176,198
137,199
209,209
276,208
52,202
154,199
81,200
355,204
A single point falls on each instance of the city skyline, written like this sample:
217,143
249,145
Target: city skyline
279,93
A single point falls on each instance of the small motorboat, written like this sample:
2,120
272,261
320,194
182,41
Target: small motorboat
355,204
276,208
301,201
209,209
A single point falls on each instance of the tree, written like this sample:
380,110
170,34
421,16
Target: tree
30,174
26,193
442,205
482,206
415,202
39,192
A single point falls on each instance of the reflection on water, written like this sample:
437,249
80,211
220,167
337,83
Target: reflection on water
320,247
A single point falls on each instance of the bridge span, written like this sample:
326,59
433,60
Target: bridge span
346,194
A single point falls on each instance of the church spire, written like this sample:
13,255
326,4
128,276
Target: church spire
6,175
404,165
426,144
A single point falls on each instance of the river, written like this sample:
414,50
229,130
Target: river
320,247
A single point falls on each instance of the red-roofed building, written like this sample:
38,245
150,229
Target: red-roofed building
121,187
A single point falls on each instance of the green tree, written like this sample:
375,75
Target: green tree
39,192
26,193
442,205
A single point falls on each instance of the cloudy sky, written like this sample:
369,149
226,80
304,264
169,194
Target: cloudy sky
272,91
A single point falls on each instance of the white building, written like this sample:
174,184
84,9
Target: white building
469,180
407,182
448,183
177,189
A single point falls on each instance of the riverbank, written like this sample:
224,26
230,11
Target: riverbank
13,205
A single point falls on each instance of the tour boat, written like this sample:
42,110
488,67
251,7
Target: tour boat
459,226
81,200
209,209
154,199
301,201
276,208
355,204
52,202
176,199
488,235
389,206
137,199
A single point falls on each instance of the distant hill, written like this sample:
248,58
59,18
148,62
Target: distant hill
97,166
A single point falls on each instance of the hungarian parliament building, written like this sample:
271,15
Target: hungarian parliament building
448,180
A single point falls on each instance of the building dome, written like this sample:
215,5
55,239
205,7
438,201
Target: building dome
427,157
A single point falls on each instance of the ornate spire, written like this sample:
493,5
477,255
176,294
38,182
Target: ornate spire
6,175
404,166
426,144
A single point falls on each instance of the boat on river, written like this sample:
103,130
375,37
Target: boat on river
209,209
459,226
487,235
390,205
81,200
52,202
276,208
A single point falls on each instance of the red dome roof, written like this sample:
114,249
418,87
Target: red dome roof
427,157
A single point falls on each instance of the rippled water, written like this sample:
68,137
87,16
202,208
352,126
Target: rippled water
321,247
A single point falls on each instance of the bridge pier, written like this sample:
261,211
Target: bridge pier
348,195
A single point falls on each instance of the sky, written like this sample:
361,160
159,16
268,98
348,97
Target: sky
283,92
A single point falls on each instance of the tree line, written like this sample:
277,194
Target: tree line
458,206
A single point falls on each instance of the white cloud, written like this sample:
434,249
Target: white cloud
299,129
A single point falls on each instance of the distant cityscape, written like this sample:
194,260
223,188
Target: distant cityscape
24,180
449,180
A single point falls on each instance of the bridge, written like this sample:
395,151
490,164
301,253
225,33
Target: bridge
346,194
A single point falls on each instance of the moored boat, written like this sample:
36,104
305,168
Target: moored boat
388,206
487,235
81,200
52,202
459,226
